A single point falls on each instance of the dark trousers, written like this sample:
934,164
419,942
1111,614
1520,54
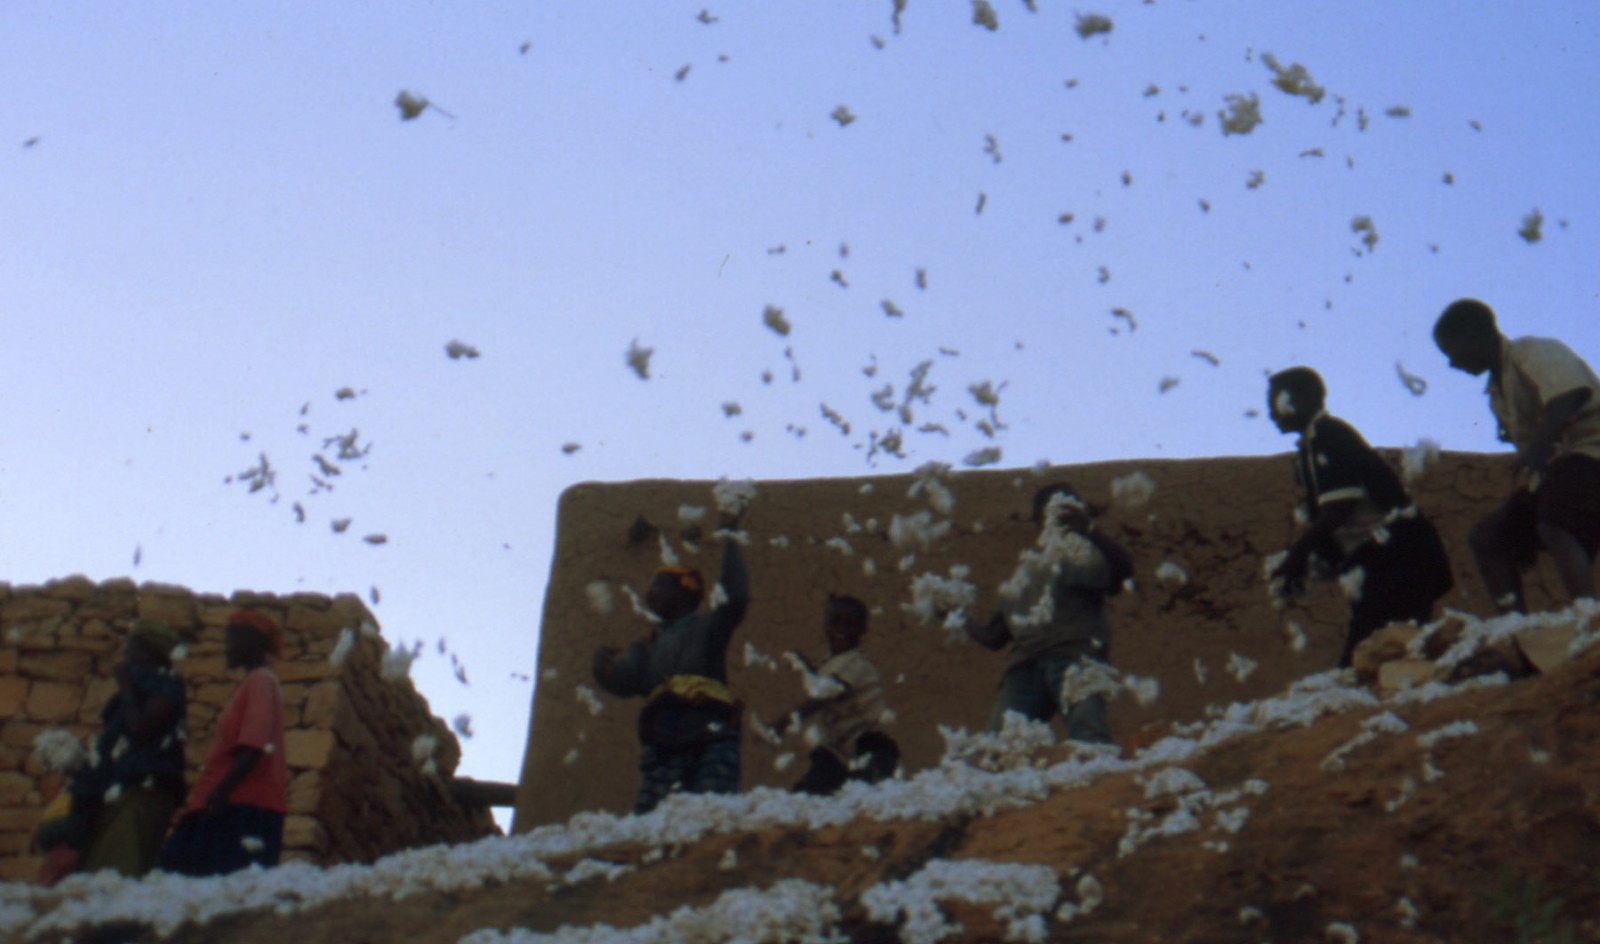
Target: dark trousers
234,839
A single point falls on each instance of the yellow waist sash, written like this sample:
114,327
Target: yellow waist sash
693,688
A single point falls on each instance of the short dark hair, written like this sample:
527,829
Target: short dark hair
849,607
1305,386
1041,498
1466,318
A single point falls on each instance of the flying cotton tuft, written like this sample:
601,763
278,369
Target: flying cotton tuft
773,318
733,497
1091,24
1242,115
638,358
1415,460
599,594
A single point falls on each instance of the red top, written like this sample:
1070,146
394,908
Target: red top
253,718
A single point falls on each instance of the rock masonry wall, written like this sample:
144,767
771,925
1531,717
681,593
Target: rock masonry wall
356,790
1215,518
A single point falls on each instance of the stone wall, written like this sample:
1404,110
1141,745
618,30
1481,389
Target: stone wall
356,791
1214,518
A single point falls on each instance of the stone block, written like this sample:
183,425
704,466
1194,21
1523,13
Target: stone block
315,670
119,585
95,696
215,694
305,792
76,588
1400,673
308,750
177,612
63,665
13,695
14,788
1385,645
215,614
202,668
8,661
32,608
19,733
54,702
18,819
321,705
1546,646
304,833
19,869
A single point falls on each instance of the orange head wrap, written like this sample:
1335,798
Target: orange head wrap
688,578
261,623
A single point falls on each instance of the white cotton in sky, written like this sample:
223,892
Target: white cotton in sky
1531,226
1294,80
982,457
460,349
1369,233
843,116
376,539
772,317
397,663
983,15
1417,385
1091,24
1242,115
638,358
462,725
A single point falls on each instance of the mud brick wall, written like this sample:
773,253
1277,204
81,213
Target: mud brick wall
355,793
1216,518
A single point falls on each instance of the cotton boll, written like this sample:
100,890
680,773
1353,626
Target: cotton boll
1132,490
1172,574
1339,932
463,725
341,649
783,761
689,514
869,567
570,758
1351,580
1240,667
1531,226
599,594
772,315
1416,460
729,860
423,747
983,15
550,674
1294,80
982,457
638,606
669,557
1242,115
840,544
58,751
733,497
587,698
1295,636
1199,671
397,663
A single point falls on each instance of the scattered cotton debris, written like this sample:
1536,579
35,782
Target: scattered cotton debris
1172,574
599,594
638,358
1294,80
1415,460
982,457
1242,115
983,15
1417,385
773,318
843,117
733,497
1369,232
341,649
58,751
460,349
588,699
462,724
1531,226
1240,667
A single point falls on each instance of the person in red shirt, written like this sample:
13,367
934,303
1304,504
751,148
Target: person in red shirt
234,817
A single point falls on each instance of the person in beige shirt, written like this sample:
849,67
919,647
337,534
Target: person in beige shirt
845,708
1547,402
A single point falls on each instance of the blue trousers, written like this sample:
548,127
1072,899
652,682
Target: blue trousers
711,767
1033,690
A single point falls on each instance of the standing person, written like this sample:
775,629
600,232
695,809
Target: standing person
234,818
124,796
846,701
1545,399
689,727
1053,615
1364,525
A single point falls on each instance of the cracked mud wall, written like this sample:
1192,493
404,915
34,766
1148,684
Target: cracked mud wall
1217,518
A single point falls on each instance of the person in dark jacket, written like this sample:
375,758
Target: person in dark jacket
1364,527
123,798
689,728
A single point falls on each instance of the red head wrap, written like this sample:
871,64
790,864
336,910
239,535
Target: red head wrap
261,623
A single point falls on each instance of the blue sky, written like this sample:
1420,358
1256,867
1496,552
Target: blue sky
223,219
